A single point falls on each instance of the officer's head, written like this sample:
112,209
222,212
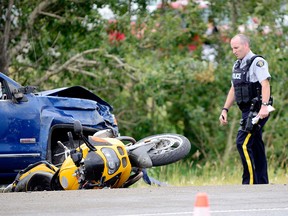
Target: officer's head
240,45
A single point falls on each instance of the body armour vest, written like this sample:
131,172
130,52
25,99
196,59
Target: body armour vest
245,90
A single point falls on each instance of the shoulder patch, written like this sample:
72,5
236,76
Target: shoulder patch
260,63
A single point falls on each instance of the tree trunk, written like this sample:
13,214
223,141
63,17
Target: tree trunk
234,15
4,41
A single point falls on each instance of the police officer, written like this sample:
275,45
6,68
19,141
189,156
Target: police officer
250,75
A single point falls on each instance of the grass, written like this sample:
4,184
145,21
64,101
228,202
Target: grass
189,174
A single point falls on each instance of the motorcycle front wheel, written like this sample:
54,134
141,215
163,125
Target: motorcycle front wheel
167,149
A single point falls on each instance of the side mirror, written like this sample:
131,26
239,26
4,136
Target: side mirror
78,129
19,96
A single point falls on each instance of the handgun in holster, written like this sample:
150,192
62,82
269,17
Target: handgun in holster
247,125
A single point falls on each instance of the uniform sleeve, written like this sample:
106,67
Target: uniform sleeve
260,68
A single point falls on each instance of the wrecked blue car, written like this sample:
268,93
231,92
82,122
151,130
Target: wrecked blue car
31,124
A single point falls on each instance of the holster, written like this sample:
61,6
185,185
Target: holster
246,124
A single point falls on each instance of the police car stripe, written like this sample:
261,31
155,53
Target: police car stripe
248,161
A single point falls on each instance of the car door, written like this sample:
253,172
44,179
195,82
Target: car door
19,131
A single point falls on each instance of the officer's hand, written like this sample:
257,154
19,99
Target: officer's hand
263,113
223,118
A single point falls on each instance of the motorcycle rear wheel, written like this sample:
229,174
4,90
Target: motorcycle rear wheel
168,148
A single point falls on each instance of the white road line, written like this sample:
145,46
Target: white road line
157,214
219,211
251,210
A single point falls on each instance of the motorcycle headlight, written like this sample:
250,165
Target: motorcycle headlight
112,160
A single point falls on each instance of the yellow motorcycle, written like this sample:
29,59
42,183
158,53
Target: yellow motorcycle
101,161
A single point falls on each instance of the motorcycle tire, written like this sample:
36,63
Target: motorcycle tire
170,148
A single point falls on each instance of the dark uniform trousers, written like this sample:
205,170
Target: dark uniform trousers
252,152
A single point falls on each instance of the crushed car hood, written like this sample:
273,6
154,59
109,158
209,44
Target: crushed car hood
74,92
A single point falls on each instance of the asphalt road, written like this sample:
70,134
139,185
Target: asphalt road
234,200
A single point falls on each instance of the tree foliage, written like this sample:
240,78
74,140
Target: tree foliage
151,70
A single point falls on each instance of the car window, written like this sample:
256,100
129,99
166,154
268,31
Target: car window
4,91
2,95
1,90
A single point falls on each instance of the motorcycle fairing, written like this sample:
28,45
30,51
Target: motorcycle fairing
35,177
70,176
